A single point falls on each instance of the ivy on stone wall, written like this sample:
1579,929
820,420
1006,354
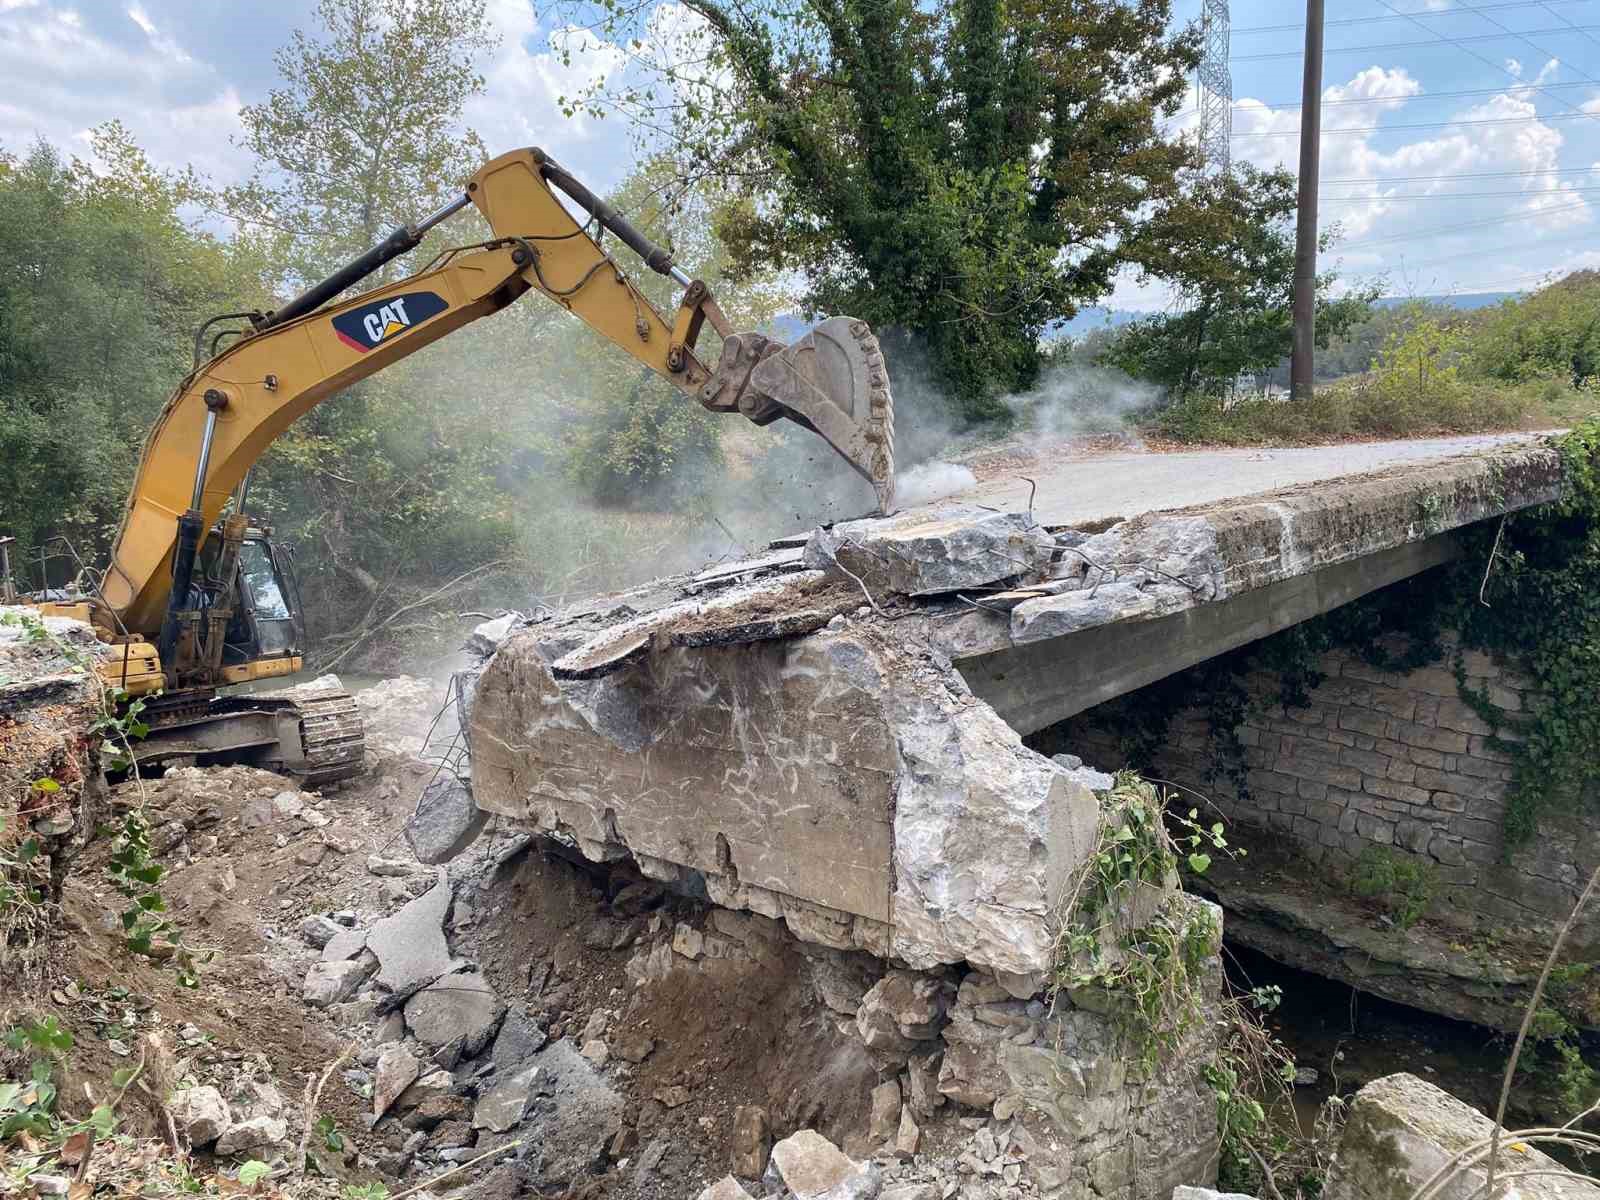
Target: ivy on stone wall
1526,588
1541,608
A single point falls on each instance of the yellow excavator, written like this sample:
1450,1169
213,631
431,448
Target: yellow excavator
194,600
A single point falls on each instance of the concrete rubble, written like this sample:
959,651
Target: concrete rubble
827,736
1402,1130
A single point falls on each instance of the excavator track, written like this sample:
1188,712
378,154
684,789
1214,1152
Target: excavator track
332,735
312,733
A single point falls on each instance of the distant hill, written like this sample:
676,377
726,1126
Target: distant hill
788,326
1466,301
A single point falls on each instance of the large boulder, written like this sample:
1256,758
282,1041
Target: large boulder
1401,1130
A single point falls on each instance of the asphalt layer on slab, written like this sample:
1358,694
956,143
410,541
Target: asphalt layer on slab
1084,490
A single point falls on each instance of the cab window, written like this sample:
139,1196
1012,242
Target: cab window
266,596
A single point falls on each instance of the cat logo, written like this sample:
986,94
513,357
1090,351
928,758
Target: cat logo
371,325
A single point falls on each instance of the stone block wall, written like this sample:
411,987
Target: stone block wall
1394,761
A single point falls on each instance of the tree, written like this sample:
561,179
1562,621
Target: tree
382,489
102,289
1553,333
1225,244
963,168
364,134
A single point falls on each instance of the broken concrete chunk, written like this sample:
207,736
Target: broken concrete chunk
396,1071
461,1006
519,1039
632,1045
1185,1192
884,1119
1402,1129
813,1167
318,930
908,1135
410,942
252,1136
688,941
396,868
333,982
446,820
347,943
726,1188
200,1113
501,1108
485,638
920,553
751,1143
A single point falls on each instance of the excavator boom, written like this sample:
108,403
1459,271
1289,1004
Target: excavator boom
229,409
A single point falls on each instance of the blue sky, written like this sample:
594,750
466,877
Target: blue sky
1461,148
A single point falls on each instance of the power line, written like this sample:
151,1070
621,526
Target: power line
1468,175
1545,4
1571,191
1479,252
1299,25
1287,105
1406,237
1534,46
1501,67
1572,116
1433,41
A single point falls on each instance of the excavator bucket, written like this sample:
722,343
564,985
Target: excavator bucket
833,381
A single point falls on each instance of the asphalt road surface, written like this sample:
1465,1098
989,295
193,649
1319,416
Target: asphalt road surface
1081,490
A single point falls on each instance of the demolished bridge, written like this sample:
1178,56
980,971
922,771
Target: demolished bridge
830,733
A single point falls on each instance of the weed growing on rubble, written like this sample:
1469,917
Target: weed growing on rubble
1122,937
145,928
1128,946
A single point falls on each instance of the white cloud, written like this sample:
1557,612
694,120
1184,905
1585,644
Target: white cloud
1514,67
526,80
179,110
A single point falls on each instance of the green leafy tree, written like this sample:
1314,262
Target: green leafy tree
1552,334
365,131
101,289
1225,244
966,169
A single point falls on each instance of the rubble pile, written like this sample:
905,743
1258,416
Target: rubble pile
51,789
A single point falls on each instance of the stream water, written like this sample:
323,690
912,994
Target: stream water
1350,1038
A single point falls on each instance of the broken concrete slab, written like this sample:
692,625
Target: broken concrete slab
502,1106
459,1006
849,780
396,1070
726,1188
812,1167
1401,1130
409,943
345,944
844,781
952,548
333,982
446,820
519,1039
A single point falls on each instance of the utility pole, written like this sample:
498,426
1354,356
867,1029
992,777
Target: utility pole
1305,229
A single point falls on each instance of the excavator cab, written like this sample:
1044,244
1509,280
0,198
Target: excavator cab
268,620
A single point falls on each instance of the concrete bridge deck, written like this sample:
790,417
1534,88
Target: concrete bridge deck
830,733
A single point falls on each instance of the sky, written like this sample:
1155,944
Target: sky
1461,138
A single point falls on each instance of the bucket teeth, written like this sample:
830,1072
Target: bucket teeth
834,381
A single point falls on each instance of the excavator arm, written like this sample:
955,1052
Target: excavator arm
228,410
